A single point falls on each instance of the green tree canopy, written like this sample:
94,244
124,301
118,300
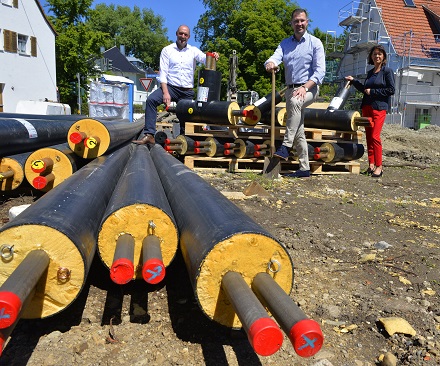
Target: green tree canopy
82,31
254,29
140,31
76,46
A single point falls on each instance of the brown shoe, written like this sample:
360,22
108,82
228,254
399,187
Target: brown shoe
147,139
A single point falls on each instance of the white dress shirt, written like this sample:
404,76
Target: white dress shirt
177,66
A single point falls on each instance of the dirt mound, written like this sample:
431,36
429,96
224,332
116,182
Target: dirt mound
414,146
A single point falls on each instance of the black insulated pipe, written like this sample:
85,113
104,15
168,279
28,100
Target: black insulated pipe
216,237
22,135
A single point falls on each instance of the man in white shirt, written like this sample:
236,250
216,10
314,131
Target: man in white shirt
176,76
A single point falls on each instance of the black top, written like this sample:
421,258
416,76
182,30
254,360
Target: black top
381,87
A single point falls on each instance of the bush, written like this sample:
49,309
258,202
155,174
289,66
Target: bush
138,108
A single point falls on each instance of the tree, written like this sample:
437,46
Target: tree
140,31
254,29
77,45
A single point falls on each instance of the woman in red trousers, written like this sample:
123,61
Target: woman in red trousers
377,89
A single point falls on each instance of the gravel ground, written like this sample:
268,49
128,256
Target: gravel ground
365,250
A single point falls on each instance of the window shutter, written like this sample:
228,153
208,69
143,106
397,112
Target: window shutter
34,46
10,41
15,3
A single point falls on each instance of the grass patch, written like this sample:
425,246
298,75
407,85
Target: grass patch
265,182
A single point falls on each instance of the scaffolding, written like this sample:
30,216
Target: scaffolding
415,59
417,95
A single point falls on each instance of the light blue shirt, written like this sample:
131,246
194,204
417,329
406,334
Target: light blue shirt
303,60
177,66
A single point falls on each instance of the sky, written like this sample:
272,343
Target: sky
323,13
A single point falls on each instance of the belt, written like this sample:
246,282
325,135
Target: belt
181,88
294,86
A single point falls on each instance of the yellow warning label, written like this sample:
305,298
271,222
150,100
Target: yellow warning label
91,143
37,164
190,110
201,80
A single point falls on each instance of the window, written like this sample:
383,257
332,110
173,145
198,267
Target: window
409,3
22,43
18,43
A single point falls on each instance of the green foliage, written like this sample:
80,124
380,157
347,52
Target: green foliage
138,108
253,28
82,31
328,91
140,31
69,12
76,46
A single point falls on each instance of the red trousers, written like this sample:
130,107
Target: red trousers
372,134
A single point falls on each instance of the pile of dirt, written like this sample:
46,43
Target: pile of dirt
366,252
412,146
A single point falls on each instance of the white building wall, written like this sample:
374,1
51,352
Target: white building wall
417,87
26,77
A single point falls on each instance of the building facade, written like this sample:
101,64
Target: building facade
27,54
409,30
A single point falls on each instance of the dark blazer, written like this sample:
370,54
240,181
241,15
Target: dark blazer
381,90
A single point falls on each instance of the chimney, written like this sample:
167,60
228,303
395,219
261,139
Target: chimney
122,49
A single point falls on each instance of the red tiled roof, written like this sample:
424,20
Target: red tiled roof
433,10
400,20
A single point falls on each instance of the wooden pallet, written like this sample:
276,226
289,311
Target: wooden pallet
263,133
235,165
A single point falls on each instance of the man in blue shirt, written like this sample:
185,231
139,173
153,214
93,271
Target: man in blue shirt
304,68
176,76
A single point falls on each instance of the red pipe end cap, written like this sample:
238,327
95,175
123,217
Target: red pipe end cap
75,137
38,168
167,141
265,336
306,337
39,182
10,306
196,150
2,343
153,271
122,271
316,156
227,152
257,154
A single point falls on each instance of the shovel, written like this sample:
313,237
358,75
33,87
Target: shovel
272,164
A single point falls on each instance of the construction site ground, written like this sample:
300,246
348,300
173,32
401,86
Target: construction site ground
364,249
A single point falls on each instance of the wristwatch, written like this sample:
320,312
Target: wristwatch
307,89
